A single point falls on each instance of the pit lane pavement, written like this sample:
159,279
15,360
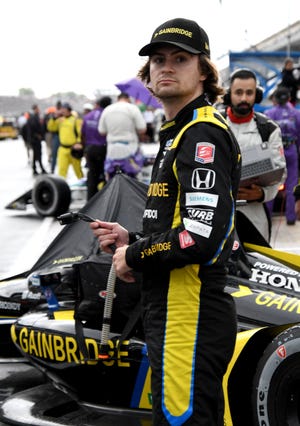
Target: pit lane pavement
23,234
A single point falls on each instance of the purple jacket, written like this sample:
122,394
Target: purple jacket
89,128
288,118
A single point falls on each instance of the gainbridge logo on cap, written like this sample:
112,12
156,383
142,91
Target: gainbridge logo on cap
180,32
174,30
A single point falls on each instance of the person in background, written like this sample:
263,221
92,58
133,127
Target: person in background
55,137
48,135
68,128
123,124
149,117
157,123
243,93
297,200
188,232
87,107
288,118
35,132
23,131
94,146
290,79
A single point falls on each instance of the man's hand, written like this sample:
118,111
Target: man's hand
109,234
252,193
122,269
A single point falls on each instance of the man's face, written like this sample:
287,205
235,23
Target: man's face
242,95
289,65
175,73
65,112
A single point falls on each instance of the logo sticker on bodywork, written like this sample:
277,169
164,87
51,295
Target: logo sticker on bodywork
281,351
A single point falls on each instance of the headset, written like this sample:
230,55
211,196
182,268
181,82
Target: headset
244,73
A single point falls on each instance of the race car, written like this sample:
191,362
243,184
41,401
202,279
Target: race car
53,195
8,128
93,380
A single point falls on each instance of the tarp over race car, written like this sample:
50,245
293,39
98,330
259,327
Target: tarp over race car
121,200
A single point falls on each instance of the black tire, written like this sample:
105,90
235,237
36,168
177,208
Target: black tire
51,195
276,384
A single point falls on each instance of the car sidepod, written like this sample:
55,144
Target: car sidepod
49,341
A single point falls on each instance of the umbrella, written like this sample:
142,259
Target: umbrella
135,88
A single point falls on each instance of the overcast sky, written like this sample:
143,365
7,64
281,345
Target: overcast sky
88,45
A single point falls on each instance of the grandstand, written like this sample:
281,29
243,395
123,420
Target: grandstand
266,58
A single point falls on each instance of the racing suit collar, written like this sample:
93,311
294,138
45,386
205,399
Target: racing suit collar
185,113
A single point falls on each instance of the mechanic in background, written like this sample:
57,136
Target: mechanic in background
94,146
240,98
288,118
70,150
188,232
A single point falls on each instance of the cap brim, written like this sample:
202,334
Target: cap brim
148,49
283,98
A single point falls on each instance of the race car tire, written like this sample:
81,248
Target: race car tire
276,384
51,195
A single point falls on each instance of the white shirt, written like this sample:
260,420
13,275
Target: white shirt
120,123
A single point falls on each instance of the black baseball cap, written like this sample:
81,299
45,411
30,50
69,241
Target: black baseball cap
282,95
184,33
67,106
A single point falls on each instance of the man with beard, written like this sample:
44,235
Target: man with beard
252,128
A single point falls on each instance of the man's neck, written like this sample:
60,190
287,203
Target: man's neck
173,105
239,119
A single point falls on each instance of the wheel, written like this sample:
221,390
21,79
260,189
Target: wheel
276,384
51,195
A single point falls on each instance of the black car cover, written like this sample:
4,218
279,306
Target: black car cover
121,200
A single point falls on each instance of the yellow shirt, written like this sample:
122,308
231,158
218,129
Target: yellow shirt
68,128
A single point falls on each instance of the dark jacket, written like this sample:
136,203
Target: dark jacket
35,129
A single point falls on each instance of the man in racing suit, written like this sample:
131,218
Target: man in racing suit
188,223
243,121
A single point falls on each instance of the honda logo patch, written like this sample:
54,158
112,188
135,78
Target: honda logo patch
203,179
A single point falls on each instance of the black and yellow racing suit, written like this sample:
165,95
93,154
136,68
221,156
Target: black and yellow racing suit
189,321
